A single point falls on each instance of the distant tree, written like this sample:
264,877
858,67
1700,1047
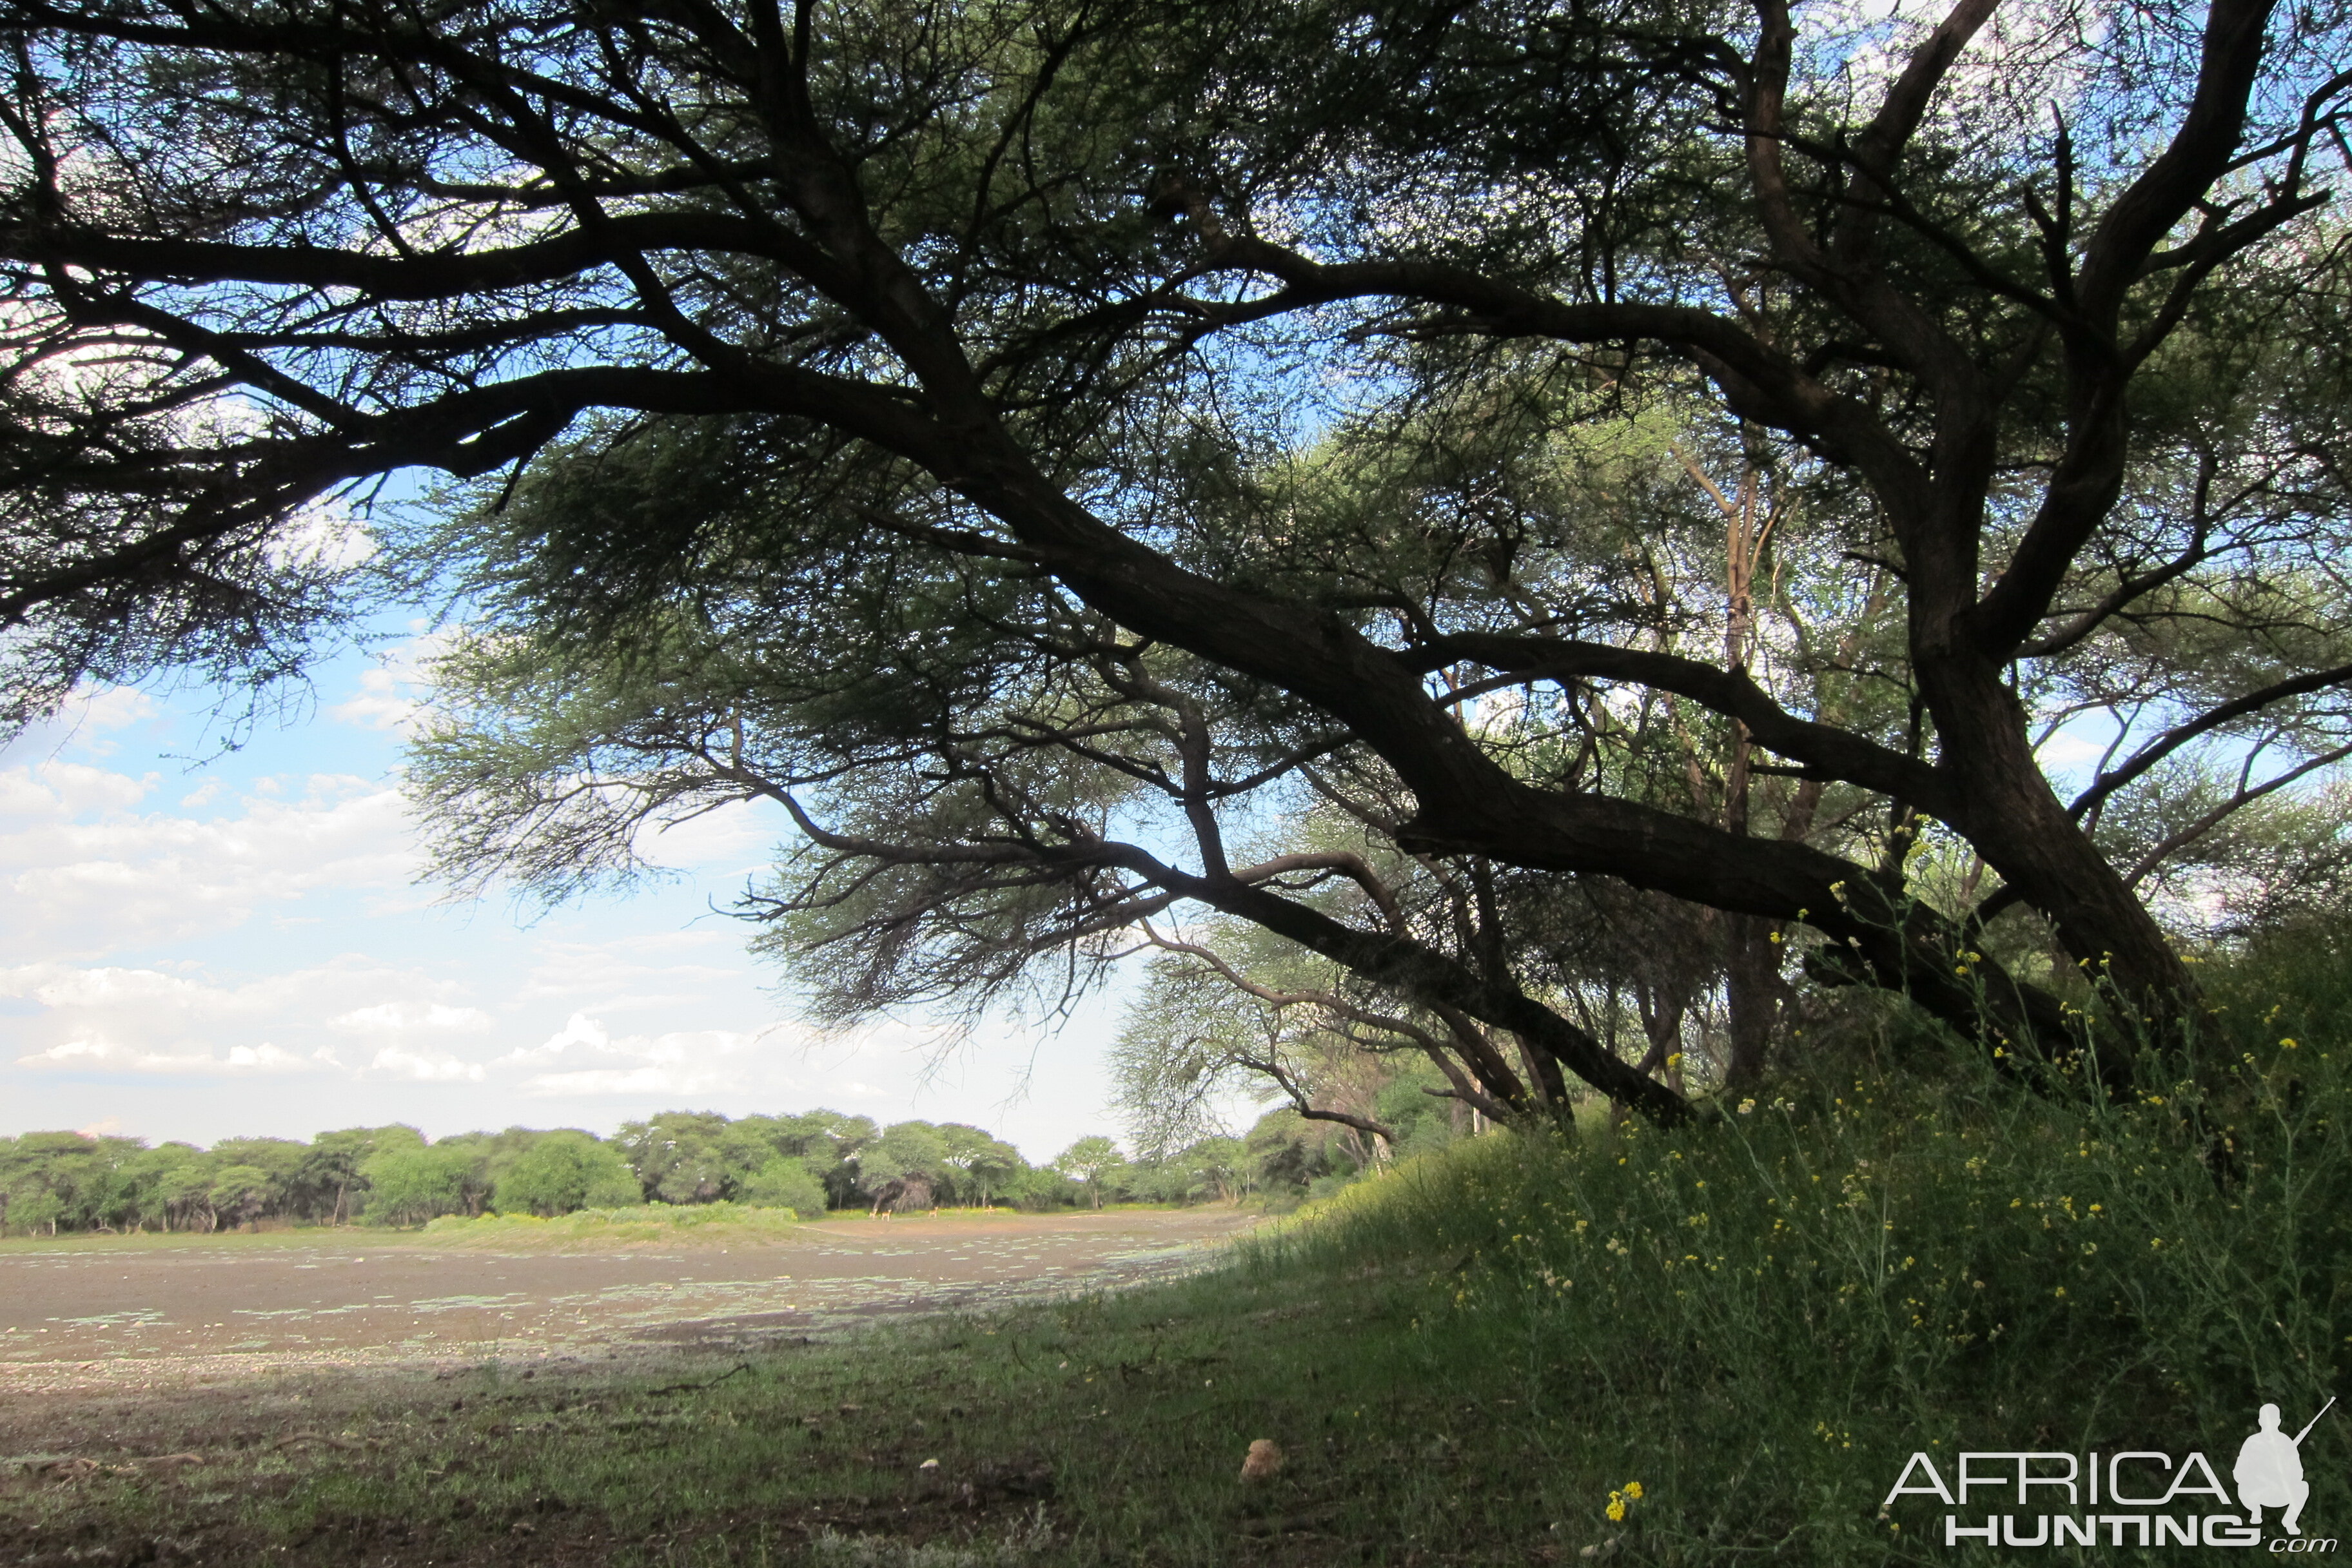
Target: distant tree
1213,1168
563,1170
242,1194
50,1179
825,1142
1289,1154
1420,1122
786,1182
1091,1160
1042,1187
1232,1009
680,1156
982,1163
409,1186
33,1205
280,1163
186,1188
140,1200
329,1181
904,1150
66,1181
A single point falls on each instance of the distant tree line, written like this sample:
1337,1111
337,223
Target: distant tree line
63,1182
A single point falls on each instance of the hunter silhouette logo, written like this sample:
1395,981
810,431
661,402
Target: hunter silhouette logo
2269,1471
2136,1497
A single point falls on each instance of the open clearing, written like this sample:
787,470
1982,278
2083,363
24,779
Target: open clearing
116,1312
1035,1420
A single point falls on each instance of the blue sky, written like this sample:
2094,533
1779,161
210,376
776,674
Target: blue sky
199,945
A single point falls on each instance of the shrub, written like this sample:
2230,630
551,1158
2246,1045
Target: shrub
784,1183
565,1171
410,1186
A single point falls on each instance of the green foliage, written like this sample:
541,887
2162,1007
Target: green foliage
1963,1267
1042,1187
1287,1155
679,1157
786,1182
563,1170
981,1163
240,1192
1092,1162
60,1181
905,1149
410,1186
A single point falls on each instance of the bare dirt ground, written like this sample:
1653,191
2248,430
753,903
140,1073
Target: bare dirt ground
123,1317
498,1396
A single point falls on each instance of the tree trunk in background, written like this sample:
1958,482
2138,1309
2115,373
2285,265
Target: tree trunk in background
1753,993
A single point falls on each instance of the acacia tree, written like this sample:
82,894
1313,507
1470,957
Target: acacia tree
1004,311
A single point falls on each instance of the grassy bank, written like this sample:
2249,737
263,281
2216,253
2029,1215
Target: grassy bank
1472,1360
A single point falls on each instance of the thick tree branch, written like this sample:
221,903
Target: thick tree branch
1838,753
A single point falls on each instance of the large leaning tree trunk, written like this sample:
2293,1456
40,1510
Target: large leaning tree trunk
992,271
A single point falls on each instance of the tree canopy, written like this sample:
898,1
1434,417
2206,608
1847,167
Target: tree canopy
1466,490
808,1162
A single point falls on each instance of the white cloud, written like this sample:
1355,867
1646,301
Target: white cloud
615,1080
2070,755
97,1054
393,691
406,1016
723,846
190,1023
426,1067
669,970
238,947
383,703
58,792
584,1057
89,718
578,1030
324,537
87,873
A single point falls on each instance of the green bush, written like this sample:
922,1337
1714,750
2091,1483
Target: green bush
410,1186
565,1171
784,1183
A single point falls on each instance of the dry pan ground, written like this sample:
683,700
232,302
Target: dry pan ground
591,1408
1066,1426
137,1312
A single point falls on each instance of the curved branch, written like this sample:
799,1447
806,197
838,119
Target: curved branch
2205,723
2246,795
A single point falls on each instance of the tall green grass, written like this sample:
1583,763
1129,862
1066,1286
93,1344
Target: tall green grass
1759,1318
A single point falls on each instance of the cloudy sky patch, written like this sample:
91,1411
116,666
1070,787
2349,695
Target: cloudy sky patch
239,945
